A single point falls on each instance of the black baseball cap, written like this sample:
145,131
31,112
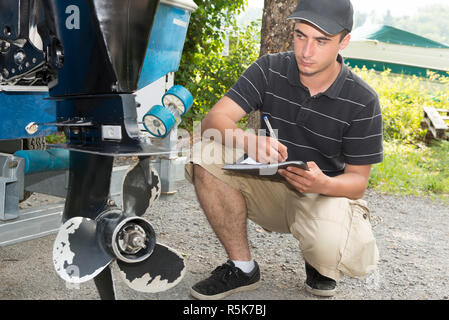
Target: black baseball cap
331,16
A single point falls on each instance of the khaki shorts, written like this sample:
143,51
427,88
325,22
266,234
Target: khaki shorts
334,234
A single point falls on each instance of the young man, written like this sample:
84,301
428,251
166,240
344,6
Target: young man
325,115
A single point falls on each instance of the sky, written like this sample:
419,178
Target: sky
396,7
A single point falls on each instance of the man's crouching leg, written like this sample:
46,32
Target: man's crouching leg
225,209
335,238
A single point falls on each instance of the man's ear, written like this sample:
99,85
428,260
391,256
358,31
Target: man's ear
344,43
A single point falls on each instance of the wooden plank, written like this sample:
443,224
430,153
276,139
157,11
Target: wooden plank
446,111
435,122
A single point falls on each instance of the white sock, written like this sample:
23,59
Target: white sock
245,266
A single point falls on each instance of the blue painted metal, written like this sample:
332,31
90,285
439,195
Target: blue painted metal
163,55
106,53
18,109
44,160
83,52
166,43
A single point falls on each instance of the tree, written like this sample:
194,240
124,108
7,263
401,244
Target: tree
431,22
277,31
276,36
204,42
388,18
360,19
214,74
206,32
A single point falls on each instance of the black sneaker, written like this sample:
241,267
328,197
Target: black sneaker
318,284
225,280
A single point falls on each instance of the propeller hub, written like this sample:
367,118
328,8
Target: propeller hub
133,240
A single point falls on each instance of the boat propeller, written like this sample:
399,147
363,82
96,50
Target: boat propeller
84,247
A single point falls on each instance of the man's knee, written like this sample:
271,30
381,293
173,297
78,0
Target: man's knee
323,247
201,175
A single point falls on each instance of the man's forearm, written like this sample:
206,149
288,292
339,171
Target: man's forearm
349,185
229,131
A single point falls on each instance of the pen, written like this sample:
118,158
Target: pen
270,128
272,134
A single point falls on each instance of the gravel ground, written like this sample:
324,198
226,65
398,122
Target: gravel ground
412,235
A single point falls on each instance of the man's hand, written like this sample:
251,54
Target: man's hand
266,149
351,184
312,181
224,117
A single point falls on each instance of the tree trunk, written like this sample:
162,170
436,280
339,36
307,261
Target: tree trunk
277,31
276,36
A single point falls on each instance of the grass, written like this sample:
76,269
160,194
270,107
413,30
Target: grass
413,169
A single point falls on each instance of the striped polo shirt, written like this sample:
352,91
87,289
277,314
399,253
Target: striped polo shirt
339,126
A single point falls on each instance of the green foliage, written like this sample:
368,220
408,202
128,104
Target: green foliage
208,25
206,33
409,166
402,99
201,55
212,74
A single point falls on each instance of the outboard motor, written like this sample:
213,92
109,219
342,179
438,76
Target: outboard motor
90,53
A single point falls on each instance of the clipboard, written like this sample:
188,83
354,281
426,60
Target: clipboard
263,169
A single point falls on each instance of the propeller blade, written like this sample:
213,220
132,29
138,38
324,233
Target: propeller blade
78,255
141,188
163,270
